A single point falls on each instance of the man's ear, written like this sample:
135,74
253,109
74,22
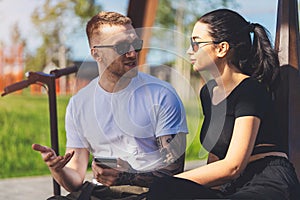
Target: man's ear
95,54
222,49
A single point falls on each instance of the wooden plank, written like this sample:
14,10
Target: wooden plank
142,14
136,11
288,93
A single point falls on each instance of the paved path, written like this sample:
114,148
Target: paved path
41,187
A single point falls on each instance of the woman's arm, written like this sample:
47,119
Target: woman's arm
240,148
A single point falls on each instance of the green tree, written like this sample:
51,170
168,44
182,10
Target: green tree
15,34
55,21
192,10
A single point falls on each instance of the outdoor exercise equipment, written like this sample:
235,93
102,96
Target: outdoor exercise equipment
49,81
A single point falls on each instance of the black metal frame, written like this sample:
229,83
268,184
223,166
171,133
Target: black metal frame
49,81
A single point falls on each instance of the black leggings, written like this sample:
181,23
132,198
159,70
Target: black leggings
271,178
176,188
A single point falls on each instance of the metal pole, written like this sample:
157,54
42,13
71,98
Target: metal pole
53,123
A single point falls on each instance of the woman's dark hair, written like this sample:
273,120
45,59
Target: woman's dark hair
256,58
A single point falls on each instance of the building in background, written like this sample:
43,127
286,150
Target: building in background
11,65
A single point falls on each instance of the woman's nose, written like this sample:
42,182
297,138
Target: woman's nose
190,50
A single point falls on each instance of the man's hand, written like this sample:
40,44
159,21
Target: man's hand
54,162
113,176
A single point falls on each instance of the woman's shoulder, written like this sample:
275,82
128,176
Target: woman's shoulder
252,85
252,90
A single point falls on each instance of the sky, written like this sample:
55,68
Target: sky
12,11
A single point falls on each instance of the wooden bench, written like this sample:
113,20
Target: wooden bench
288,93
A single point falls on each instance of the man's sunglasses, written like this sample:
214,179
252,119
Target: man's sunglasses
124,47
195,45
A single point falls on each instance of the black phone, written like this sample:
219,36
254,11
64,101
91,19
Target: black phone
106,162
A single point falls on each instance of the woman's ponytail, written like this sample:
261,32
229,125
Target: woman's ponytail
263,58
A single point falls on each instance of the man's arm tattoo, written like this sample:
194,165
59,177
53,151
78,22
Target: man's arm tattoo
172,150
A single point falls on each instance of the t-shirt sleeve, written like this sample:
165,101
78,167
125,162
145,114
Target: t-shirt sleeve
73,138
171,116
252,101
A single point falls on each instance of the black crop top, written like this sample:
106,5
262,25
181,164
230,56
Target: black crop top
249,98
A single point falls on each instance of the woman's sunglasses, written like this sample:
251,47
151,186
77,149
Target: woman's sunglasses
124,47
195,45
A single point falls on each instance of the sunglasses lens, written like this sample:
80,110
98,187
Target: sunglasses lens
137,45
194,45
124,47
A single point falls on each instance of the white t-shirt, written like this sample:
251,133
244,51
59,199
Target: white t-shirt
125,124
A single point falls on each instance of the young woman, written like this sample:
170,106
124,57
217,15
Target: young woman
246,159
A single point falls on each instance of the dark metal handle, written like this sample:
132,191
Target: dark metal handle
16,86
65,71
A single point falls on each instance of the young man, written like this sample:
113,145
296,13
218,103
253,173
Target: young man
122,114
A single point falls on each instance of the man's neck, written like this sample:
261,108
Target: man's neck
113,84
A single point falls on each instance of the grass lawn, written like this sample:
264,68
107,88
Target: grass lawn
24,120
